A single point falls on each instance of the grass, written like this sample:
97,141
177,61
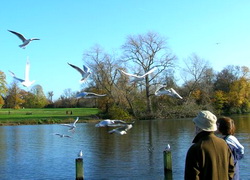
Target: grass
46,115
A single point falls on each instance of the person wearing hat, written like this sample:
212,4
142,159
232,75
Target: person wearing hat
209,157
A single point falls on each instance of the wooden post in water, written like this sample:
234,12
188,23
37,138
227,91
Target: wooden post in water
167,158
79,167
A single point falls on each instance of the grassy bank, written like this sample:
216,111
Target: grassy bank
46,115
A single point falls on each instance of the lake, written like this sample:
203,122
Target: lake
31,152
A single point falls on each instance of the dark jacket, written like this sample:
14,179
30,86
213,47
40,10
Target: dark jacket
209,158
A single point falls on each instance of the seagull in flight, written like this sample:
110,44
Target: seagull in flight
24,40
72,126
62,135
89,95
25,82
108,123
121,130
137,78
170,92
85,72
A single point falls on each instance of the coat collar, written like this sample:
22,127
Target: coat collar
200,135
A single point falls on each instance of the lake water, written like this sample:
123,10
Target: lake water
32,152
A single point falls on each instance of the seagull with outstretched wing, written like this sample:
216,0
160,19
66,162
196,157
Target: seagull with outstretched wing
170,92
135,77
110,123
85,72
62,135
24,40
71,126
121,130
26,81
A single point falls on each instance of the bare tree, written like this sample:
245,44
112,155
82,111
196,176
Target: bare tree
194,72
104,75
146,52
50,96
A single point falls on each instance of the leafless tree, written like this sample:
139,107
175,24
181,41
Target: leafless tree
145,52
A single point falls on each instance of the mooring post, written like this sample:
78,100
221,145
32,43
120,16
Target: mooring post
167,158
79,167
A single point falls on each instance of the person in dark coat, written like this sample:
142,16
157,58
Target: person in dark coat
209,158
227,128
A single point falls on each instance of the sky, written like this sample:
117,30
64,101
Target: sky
217,31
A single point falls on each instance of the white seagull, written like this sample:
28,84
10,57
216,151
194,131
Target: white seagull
121,130
25,82
85,72
80,154
71,126
62,135
137,78
89,95
171,92
108,123
24,40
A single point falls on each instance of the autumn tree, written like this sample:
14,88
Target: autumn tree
3,87
104,78
13,97
145,52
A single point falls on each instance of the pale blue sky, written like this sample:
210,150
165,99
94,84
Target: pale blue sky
68,28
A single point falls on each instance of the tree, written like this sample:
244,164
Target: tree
3,87
104,76
40,99
145,52
50,96
239,95
13,97
226,77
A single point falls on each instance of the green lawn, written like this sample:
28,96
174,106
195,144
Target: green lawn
46,115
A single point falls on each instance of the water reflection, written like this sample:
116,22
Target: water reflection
33,152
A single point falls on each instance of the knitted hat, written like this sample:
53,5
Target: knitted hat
206,121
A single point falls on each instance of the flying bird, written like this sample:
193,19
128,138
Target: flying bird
25,82
121,130
137,78
89,95
108,123
170,92
62,135
24,40
85,72
72,126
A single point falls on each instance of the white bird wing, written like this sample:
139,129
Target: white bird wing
18,35
91,94
128,74
77,68
103,123
69,125
149,72
76,121
119,121
175,93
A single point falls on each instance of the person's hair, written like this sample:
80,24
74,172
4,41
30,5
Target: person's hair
226,126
